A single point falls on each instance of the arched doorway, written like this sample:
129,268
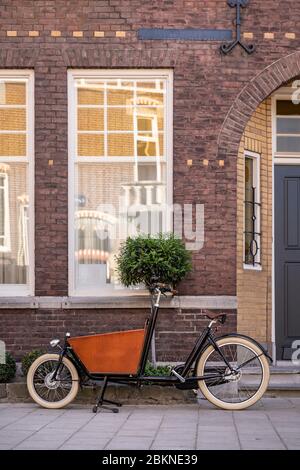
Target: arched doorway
262,129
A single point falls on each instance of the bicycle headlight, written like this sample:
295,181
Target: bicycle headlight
54,342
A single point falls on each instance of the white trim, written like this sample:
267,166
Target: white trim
283,93
9,159
72,145
286,160
273,136
137,74
256,182
251,267
119,159
24,75
6,237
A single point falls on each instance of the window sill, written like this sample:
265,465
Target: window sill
249,267
130,302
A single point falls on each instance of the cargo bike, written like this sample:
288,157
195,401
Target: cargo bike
232,371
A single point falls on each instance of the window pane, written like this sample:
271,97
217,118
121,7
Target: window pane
151,113
144,124
145,85
120,119
12,119
12,93
148,97
3,178
92,94
288,125
288,144
90,145
12,145
14,257
287,108
120,145
104,192
147,172
90,119
120,94
249,182
147,149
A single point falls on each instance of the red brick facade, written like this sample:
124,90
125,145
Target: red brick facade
214,96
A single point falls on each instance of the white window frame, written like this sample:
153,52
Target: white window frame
255,157
286,158
150,74
5,248
17,290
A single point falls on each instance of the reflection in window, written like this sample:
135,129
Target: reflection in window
288,127
120,172
120,118
14,198
4,211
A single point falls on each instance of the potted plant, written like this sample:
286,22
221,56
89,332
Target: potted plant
144,257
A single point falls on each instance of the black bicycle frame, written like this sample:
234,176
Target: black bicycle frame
204,340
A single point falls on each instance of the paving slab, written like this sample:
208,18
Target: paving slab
273,424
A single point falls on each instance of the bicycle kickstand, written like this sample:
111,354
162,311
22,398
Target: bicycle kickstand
102,401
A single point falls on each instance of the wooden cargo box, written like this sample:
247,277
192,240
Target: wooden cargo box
110,353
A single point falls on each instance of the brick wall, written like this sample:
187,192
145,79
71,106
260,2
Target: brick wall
176,330
214,96
254,287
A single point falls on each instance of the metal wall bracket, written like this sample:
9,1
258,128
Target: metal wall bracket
226,48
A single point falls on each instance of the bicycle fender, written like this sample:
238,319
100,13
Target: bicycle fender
249,338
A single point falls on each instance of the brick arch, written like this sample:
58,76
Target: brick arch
18,57
97,56
256,91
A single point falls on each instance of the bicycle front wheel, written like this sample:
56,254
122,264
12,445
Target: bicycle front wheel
51,393
240,387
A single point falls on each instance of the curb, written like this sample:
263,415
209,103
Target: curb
129,395
147,395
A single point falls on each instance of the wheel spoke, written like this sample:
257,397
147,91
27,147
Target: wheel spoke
237,388
48,390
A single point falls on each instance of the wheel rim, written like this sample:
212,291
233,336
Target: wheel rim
48,389
239,386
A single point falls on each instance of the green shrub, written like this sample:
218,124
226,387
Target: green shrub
156,371
163,257
29,358
7,370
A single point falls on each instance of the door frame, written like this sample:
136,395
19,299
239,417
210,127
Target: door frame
277,159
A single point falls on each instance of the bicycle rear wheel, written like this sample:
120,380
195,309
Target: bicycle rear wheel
250,377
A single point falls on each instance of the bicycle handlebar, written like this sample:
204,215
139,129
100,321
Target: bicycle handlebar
164,288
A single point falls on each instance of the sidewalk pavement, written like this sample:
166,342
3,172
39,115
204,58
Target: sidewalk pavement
273,423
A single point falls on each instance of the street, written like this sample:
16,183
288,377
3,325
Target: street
273,423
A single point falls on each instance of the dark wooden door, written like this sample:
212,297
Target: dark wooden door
287,258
